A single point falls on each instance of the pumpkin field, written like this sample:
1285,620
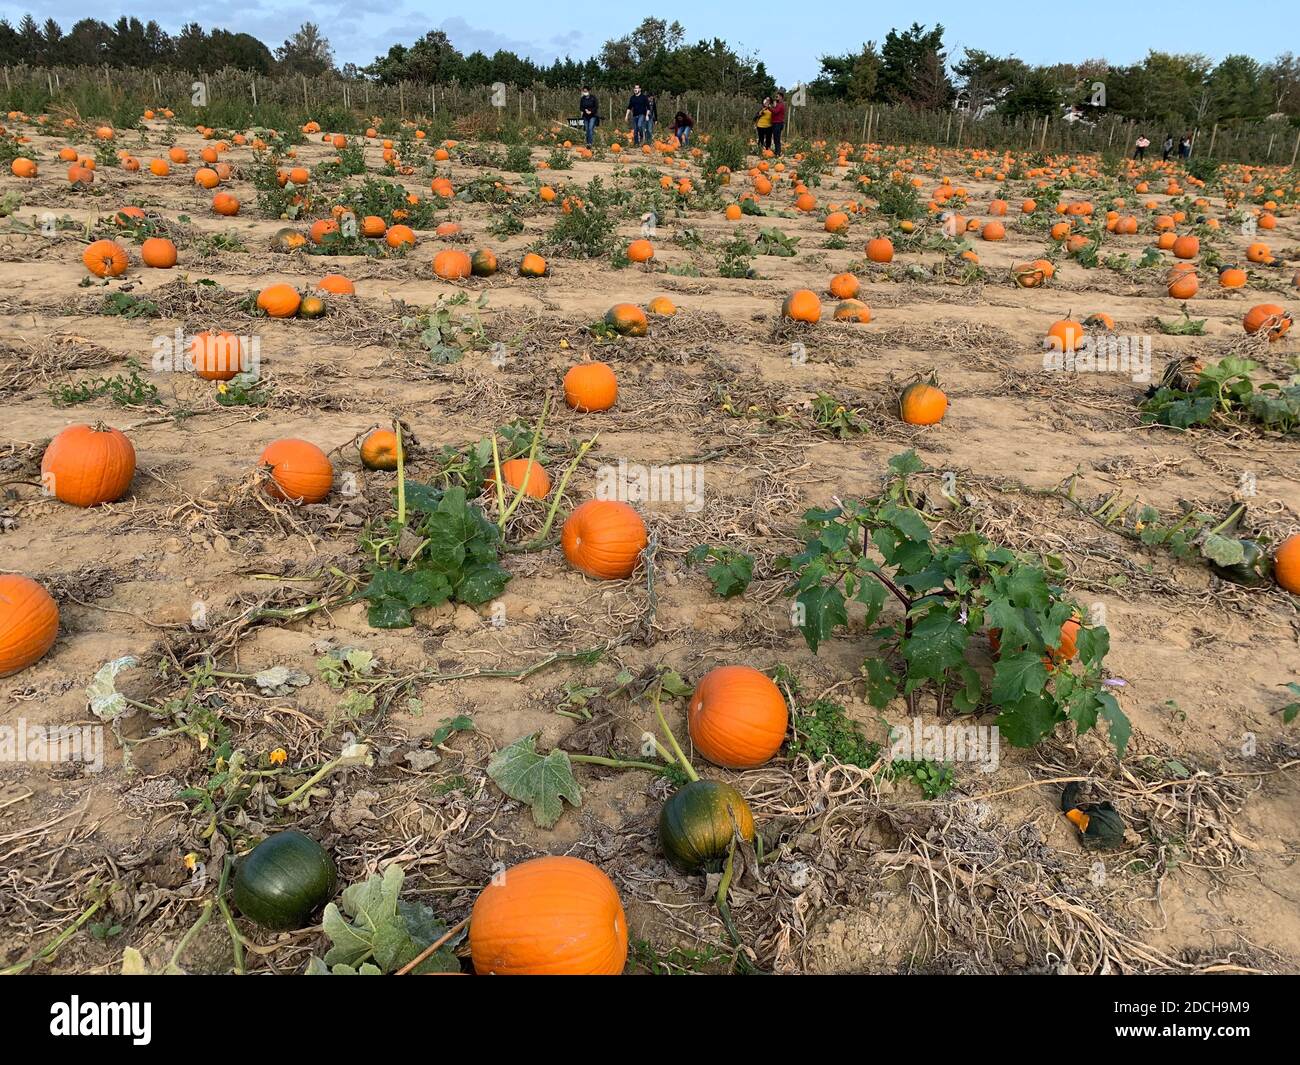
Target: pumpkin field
494,555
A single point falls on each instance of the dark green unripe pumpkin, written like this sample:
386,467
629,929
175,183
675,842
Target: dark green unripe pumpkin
1251,571
283,879
697,823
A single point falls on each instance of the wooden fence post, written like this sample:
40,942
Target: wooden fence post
1296,149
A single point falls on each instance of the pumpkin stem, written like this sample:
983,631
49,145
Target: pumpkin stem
401,476
687,768
540,539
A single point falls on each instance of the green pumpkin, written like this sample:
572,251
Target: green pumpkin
696,825
283,879
1251,571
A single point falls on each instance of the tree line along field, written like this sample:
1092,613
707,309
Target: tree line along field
882,558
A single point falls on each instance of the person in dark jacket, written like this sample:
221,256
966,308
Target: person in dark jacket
681,127
1185,147
1167,147
589,111
778,122
638,107
651,117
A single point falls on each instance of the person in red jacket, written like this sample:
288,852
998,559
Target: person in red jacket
778,122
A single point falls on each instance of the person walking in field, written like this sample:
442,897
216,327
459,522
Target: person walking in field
651,117
638,107
1140,149
1185,147
778,122
1167,147
763,124
589,111
681,127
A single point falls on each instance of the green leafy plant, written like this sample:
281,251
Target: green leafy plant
731,570
1225,393
950,594
130,390
375,932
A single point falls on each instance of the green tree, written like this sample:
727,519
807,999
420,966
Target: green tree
306,52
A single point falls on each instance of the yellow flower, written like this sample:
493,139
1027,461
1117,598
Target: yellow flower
191,860
223,387
279,756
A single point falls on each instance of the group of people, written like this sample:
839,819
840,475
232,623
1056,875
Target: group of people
769,123
1167,149
642,113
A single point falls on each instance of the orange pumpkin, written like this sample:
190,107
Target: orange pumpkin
337,285
994,231
379,450
216,356
279,300
1186,247
844,286
373,226
551,916
880,250
627,319
590,386
29,623
88,465
852,311
452,265
922,403
24,168
532,265
534,480
1183,284
105,258
737,717
640,251
1286,565
223,203
158,252
604,538
300,471
399,236
802,305
1065,335
1271,318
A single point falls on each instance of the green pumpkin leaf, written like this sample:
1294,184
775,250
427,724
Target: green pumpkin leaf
541,781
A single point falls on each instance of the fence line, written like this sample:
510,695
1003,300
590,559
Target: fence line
238,99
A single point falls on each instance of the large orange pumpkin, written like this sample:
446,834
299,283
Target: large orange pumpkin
87,465
216,356
105,258
29,622
737,717
337,285
1065,335
640,251
300,471
880,250
1269,317
452,264
552,916
279,300
590,386
802,305
604,538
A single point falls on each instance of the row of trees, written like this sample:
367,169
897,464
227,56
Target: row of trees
910,67
656,53
913,67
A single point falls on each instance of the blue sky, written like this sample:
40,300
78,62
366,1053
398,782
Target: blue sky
1120,32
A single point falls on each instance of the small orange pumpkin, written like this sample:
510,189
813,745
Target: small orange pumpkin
802,305
1286,564
158,252
923,403
452,264
533,480
279,300
1271,318
379,450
